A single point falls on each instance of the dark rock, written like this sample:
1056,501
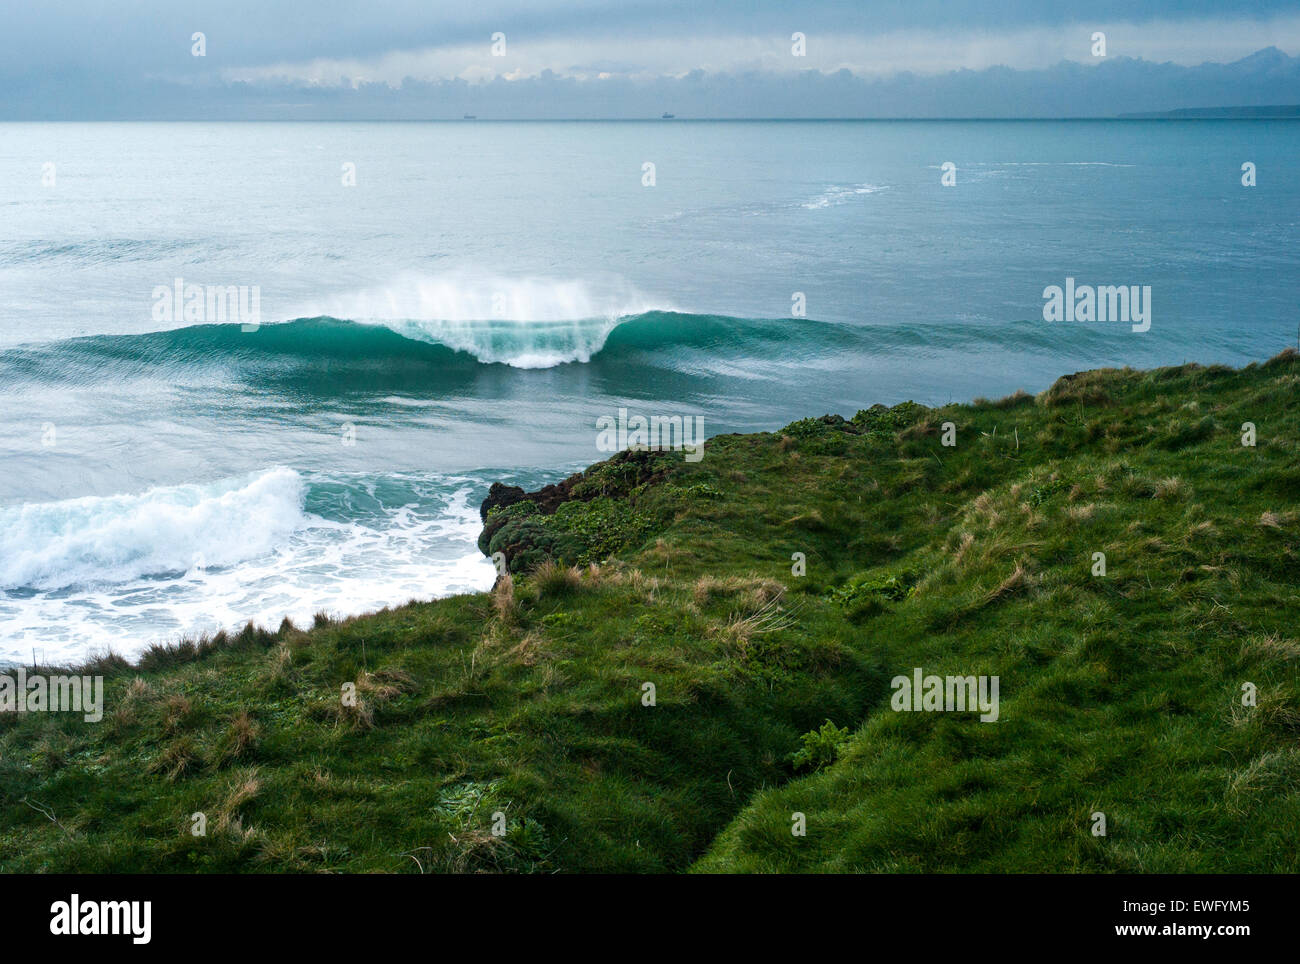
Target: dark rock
500,496
841,423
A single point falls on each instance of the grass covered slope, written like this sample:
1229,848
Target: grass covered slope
1119,694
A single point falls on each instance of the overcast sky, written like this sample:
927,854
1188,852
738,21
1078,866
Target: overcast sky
263,58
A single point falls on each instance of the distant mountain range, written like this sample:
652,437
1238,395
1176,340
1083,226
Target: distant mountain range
1111,87
1196,113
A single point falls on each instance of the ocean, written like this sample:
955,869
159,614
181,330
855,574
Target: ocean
258,370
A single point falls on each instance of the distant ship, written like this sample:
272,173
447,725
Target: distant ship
669,116
471,117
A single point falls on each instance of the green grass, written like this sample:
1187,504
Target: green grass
1119,694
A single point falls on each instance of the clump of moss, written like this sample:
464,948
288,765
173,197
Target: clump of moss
882,423
577,533
584,519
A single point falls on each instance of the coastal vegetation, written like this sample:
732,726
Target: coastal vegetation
684,658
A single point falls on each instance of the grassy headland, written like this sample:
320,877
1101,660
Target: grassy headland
1120,694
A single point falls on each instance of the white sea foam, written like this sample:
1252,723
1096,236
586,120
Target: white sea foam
129,578
520,344
523,322
841,194
114,539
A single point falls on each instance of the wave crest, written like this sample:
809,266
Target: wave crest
519,344
523,322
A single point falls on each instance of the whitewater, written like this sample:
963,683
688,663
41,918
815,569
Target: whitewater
113,573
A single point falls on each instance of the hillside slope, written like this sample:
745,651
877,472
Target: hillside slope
527,708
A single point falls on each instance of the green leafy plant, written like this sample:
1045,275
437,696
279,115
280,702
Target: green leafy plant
820,748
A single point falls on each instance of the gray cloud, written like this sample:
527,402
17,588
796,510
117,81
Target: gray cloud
413,58
1121,85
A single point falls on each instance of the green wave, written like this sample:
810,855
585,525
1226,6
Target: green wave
374,355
